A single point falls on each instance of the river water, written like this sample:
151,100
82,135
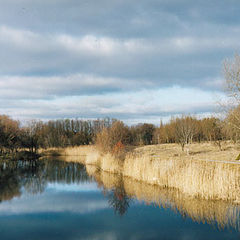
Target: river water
58,200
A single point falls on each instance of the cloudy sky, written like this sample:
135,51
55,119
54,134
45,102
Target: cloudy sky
135,60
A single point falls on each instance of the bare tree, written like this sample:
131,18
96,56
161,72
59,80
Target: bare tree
184,130
232,77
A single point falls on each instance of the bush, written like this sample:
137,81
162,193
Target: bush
114,139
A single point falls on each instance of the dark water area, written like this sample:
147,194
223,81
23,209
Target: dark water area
52,199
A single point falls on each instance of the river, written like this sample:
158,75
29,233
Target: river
53,199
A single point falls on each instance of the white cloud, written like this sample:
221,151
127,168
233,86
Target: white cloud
142,104
21,38
54,202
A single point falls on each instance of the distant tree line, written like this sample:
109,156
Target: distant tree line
187,129
107,133
55,133
111,135
183,130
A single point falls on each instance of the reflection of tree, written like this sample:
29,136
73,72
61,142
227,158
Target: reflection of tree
33,176
65,172
113,189
36,183
15,175
9,186
118,199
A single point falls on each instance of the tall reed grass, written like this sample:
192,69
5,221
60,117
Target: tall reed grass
88,155
208,180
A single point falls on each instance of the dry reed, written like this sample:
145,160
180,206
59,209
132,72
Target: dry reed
88,155
83,154
208,180
111,164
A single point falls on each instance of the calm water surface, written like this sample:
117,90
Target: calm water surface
59,200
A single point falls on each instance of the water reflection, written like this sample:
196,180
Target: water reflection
13,175
220,213
118,198
19,177
34,176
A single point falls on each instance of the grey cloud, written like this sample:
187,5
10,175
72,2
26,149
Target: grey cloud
160,62
59,86
60,48
118,18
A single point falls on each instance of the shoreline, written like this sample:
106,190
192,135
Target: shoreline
196,178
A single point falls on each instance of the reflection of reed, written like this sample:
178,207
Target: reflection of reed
222,213
113,189
104,179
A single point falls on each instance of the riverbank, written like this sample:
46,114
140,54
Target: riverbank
20,155
166,166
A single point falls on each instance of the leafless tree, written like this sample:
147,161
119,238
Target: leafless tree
232,80
184,130
232,77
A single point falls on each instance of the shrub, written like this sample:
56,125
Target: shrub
114,139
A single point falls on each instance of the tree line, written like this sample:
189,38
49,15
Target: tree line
54,133
110,134
183,130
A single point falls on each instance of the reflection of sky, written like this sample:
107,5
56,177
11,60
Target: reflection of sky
81,211
75,198
83,187
140,223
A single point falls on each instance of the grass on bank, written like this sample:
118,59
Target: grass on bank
198,151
